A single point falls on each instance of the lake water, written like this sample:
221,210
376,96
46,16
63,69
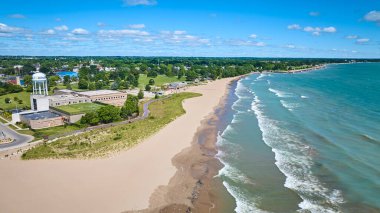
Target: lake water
307,142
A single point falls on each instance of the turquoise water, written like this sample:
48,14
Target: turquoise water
71,74
307,142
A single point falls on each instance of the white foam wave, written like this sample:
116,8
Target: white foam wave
261,76
304,96
244,204
288,105
280,94
293,161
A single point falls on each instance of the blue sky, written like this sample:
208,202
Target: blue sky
266,28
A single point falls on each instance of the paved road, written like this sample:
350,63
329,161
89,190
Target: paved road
19,139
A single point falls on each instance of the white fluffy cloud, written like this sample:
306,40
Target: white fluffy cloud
362,40
373,16
137,26
246,43
126,32
329,29
8,29
182,37
253,36
48,32
80,31
139,2
61,28
318,30
352,37
294,27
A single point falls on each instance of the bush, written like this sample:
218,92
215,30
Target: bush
140,95
90,118
7,100
147,87
130,107
151,82
108,114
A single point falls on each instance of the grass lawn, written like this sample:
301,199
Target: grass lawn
159,80
40,133
80,108
24,96
102,142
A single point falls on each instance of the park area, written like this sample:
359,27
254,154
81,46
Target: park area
81,108
158,81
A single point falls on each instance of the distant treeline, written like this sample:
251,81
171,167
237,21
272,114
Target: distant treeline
126,70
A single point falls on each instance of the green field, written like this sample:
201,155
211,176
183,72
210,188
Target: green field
159,80
24,96
80,108
102,142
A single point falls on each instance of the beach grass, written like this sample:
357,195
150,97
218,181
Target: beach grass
159,80
103,142
80,108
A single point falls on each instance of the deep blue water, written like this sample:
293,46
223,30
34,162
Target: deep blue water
307,142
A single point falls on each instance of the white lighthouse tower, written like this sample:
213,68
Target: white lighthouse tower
39,100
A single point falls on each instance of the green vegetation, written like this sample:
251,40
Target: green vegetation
23,96
157,81
102,142
41,133
140,95
80,108
130,107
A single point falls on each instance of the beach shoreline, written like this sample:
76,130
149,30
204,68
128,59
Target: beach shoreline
123,182
192,188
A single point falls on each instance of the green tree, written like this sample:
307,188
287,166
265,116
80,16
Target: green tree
151,81
99,85
148,87
140,95
115,86
91,86
15,98
27,80
53,80
82,84
68,86
130,107
7,100
20,101
191,75
66,80
90,118
108,114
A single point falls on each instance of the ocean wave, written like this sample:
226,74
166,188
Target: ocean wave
304,96
281,94
288,105
244,204
261,76
295,163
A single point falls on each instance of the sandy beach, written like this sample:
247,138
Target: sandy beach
124,182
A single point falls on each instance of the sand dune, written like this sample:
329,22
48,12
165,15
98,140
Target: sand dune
123,182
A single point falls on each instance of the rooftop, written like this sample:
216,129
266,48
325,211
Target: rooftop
41,115
100,92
